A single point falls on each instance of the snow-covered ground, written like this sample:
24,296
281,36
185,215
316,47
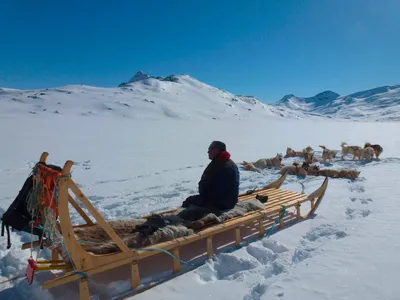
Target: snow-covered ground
134,156
128,168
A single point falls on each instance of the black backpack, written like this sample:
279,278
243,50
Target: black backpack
17,215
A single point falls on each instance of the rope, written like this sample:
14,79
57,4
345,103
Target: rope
43,211
307,179
302,187
268,233
72,263
12,279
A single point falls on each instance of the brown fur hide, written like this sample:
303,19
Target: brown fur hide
95,240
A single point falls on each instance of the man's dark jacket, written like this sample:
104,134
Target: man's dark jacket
219,184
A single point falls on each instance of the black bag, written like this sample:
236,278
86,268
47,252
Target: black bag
17,215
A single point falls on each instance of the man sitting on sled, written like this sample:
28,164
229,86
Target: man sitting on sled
219,184
218,191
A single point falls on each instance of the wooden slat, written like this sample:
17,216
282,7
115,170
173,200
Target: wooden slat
288,199
210,250
176,263
270,192
54,255
28,245
135,277
237,236
272,196
284,196
281,223
84,293
253,195
298,216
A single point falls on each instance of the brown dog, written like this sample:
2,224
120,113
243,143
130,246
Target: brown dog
377,148
304,170
351,174
355,150
309,158
292,153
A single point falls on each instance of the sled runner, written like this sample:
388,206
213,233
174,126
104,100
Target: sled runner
80,256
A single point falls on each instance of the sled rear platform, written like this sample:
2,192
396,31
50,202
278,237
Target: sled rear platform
146,268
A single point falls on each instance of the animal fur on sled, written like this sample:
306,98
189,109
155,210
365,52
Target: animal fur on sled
95,240
273,162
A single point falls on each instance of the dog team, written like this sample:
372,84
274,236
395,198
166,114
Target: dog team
309,168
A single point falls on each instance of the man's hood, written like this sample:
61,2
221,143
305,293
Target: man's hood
224,155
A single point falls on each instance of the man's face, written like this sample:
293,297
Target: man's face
212,152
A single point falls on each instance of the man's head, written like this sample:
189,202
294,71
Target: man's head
215,148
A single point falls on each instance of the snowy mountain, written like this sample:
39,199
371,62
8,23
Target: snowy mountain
184,97
378,104
143,97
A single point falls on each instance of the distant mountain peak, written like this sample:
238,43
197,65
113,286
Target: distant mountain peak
327,95
286,98
319,99
139,76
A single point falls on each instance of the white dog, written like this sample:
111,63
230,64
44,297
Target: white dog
367,153
328,154
355,150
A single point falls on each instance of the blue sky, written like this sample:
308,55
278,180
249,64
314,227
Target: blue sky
262,48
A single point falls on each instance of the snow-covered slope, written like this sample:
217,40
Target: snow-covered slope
378,104
183,97
142,97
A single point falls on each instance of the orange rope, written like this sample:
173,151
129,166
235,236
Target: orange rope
48,179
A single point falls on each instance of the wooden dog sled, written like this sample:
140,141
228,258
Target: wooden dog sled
141,266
